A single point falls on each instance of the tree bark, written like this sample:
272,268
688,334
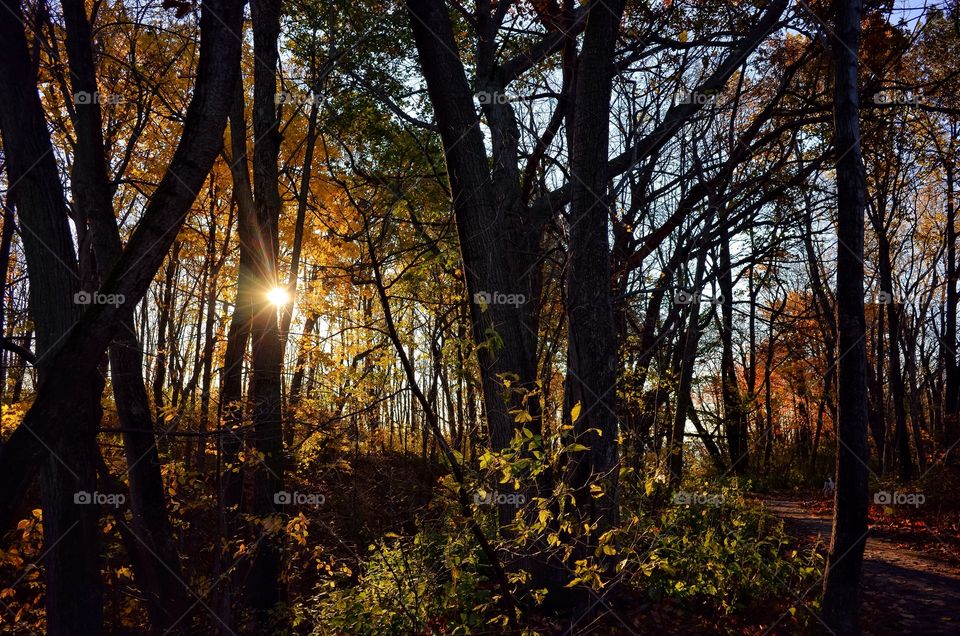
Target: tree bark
66,460
165,336
901,437
6,242
841,595
592,361
949,347
231,407
263,583
72,376
505,347
734,411
688,354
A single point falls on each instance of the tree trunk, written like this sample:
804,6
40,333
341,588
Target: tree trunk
734,411
165,337
841,595
6,242
708,442
505,347
209,341
688,354
159,575
592,362
875,406
231,407
893,308
65,412
263,582
71,554
303,197
949,347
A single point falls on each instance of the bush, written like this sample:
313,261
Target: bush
709,548
714,547
424,584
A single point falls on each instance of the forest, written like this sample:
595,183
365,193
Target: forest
427,317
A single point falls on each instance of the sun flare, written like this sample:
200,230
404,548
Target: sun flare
278,296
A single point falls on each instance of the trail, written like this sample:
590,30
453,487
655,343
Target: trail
905,591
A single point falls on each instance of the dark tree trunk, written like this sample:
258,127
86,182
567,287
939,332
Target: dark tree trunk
841,597
66,409
296,384
707,438
263,582
592,364
826,312
734,411
949,347
687,349
286,312
165,339
209,340
6,242
892,308
67,459
485,235
303,198
917,423
159,575
878,428
231,407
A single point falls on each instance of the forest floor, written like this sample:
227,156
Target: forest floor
909,587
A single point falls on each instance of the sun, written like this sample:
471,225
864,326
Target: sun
278,296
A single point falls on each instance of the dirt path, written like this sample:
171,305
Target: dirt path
905,592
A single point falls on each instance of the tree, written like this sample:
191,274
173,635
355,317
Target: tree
592,348
841,589
61,424
263,584
157,562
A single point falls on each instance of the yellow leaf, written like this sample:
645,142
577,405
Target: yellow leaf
683,36
575,412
